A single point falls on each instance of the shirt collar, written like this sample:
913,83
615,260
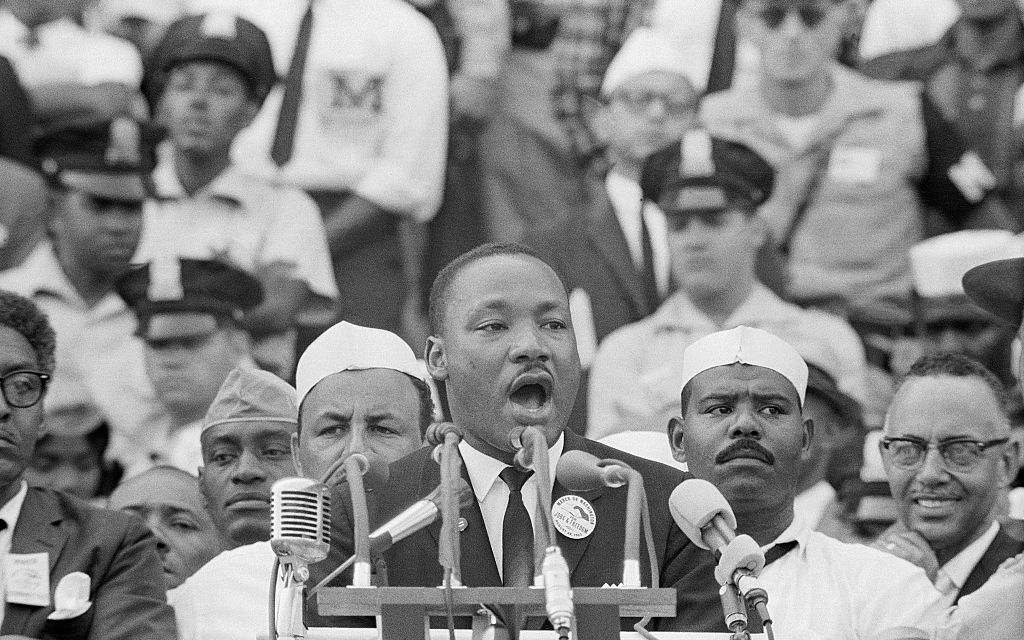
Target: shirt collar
10,511
960,566
798,531
230,185
41,272
679,312
484,470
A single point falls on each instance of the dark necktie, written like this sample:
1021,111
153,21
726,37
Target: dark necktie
288,117
516,533
754,624
650,282
723,55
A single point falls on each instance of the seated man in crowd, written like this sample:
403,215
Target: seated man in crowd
502,344
857,158
94,222
190,315
207,80
55,535
168,500
742,428
714,241
360,389
947,501
245,444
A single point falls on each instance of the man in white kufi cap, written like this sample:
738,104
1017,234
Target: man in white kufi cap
357,389
742,429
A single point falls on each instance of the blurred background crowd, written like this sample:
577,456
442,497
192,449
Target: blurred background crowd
267,168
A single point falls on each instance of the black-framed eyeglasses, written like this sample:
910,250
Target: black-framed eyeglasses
811,15
959,454
22,389
643,101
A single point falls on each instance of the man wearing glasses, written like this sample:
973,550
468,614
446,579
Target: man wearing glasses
949,457
50,541
858,159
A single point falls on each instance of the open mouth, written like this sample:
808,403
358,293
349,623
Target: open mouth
531,392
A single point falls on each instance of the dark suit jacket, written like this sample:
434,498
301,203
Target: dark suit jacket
1003,546
115,550
593,561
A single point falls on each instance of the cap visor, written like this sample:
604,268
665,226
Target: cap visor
169,326
126,187
998,287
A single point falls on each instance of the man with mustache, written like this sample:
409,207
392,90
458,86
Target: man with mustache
245,444
359,389
947,503
94,220
502,344
742,428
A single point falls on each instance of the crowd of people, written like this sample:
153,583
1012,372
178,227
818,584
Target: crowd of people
773,244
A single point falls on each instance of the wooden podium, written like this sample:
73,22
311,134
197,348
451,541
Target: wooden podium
405,611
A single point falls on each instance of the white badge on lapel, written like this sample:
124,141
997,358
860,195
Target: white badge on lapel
574,517
27,578
71,597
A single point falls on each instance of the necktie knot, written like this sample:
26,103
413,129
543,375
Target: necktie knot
514,478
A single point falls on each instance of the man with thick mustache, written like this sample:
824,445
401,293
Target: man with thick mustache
502,344
742,429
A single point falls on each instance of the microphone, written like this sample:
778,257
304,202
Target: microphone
300,512
581,471
704,515
356,465
418,515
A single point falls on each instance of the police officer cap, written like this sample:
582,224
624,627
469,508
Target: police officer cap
180,297
108,160
707,174
220,37
998,287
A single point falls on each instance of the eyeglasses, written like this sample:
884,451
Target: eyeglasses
23,389
643,102
810,15
959,454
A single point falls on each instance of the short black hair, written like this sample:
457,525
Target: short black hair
426,401
439,290
957,365
22,315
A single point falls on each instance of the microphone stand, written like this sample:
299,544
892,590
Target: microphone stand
355,466
448,458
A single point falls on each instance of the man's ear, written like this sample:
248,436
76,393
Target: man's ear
595,117
805,449
295,454
437,361
675,439
1010,459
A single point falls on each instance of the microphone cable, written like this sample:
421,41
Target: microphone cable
652,557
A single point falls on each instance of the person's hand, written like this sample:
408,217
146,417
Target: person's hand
909,545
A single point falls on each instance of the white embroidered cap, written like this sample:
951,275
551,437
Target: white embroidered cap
745,345
643,51
349,347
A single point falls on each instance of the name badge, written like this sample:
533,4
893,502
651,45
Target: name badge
27,578
855,165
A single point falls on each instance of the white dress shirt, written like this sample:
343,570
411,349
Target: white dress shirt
952,575
829,589
627,203
492,493
9,513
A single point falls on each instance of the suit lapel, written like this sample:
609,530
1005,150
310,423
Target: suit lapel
605,235
37,531
573,549
1003,546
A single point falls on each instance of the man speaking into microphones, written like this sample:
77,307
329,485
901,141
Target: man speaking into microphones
503,347
742,429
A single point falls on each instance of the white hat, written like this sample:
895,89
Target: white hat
746,345
349,347
643,51
938,264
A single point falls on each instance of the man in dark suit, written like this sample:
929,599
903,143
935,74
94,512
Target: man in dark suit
502,343
50,541
946,502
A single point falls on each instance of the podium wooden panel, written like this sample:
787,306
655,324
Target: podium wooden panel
405,611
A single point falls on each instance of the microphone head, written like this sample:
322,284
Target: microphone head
515,438
694,503
300,514
437,432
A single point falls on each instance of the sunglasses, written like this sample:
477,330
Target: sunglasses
811,15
